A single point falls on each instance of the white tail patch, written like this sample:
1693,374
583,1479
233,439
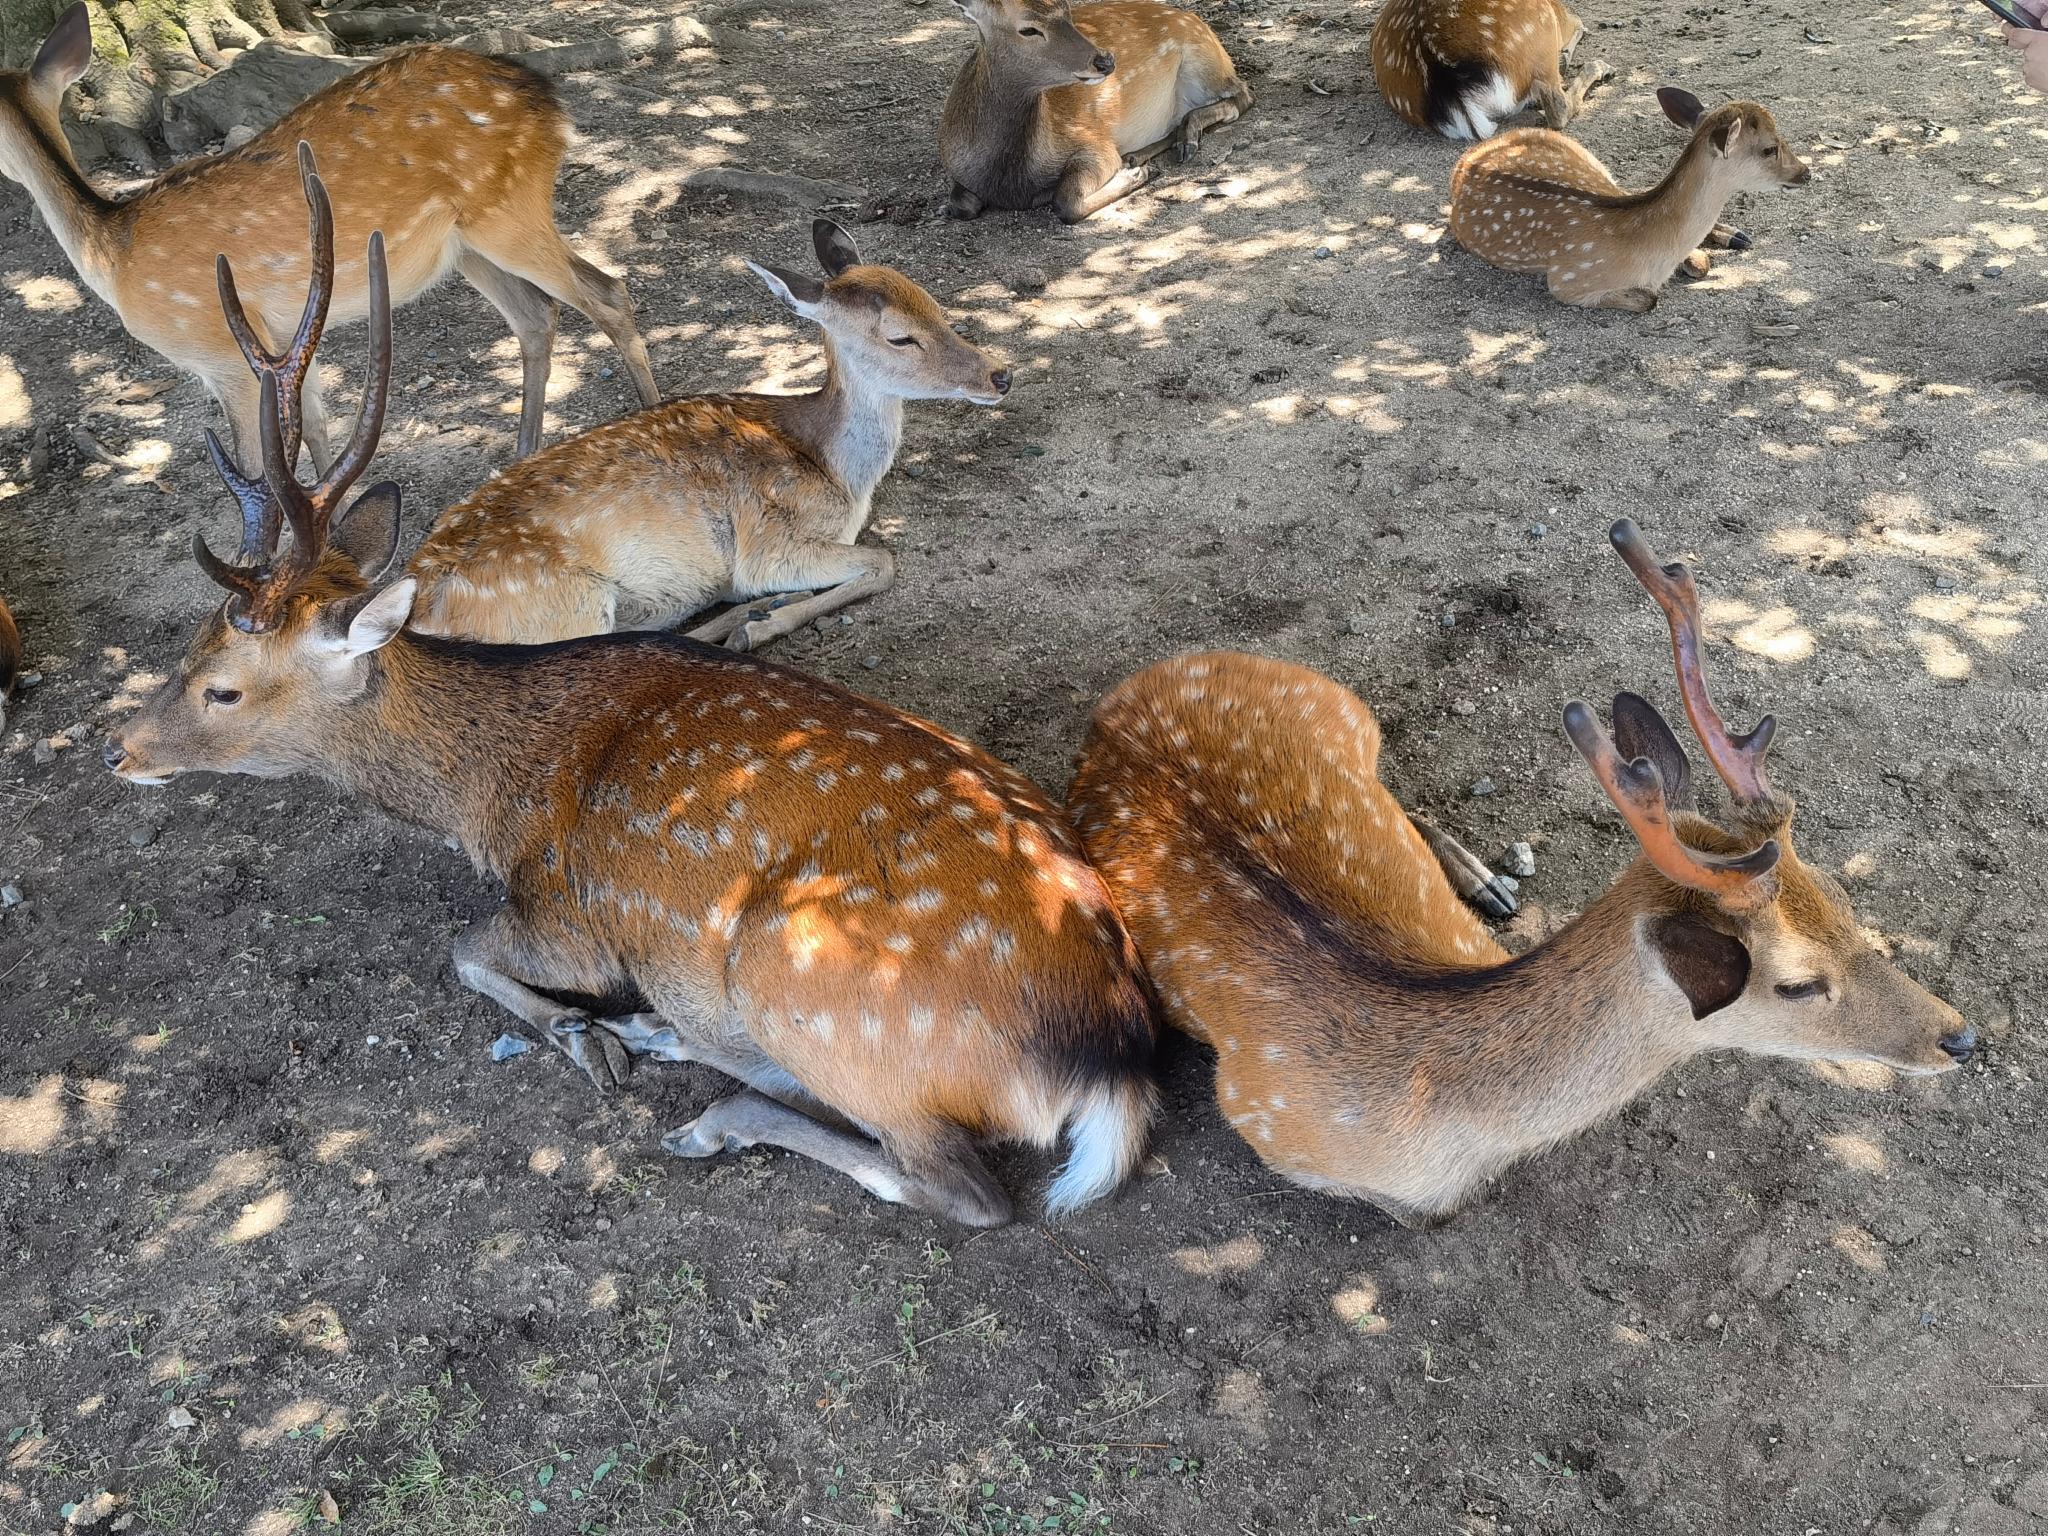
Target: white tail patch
1480,109
1106,1133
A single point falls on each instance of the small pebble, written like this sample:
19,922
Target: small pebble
44,753
1355,625
10,895
1538,530
1944,583
141,837
1995,269
506,1046
913,471
1323,253
373,1039
1481,788
605,372
1520,860
1464,707
1450,620
180,1417
871,662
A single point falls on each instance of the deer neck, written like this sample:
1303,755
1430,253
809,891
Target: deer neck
84,222
851,426
450,736
1562,1037
1687,203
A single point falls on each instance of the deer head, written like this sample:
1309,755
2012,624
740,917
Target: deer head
1742,137
1765,948
1038,40
263,684
31,100
885,331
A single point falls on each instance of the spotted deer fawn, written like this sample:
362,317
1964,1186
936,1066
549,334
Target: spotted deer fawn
1459,66
890,938
1044,112
451,154
1537,201
1371,1038
642,522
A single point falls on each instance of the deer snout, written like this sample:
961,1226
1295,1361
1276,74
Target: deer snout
113,754
1802,176
1959,1046
1105,63
999,380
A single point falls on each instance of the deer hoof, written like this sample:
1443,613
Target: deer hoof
1495,900
1184,151
741,639
597,1054
698,1140
1599,72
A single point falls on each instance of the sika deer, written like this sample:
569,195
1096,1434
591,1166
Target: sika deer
1459,66
1044,114
1536,201
642,522
1371,1038
891,938
452,154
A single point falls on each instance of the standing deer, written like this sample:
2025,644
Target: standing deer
1043,113
1537,201
452,154
889,937
641,522
1370,1037
1459,66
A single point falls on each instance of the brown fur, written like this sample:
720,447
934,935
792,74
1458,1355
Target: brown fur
1456,66
1533,200
10,658
642,522
1371,1037
1033,121
451,154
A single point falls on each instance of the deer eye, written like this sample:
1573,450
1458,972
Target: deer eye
1798,991
223,696
905,341
1029,32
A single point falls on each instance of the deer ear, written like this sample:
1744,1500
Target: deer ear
1726,134
1682,107
800,293
1710,967
66,53
368,532
835,247
1640,731
369,622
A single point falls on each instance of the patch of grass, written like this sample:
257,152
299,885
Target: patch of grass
143,916
174,1493
416,1492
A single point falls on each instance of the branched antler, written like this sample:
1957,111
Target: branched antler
259,578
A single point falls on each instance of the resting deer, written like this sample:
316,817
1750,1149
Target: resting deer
1536,201
889,937
1044,112
641,522
1459,66
451,154
1371,1038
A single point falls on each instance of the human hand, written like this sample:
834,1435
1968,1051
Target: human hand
2032,43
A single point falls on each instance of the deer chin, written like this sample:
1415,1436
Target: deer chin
973,399
1090,79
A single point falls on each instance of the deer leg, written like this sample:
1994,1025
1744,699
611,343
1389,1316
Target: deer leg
720,629
1089,186
946,1177
1697,265
1726,237
531,315
1473,881
653,1034
849,572
963,204
1560,103
544,259
1638,301
491,957
1188,137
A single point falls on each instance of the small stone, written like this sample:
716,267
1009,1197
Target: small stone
141,837
913,471
180,1417
373,1039
870,662
1538,530
1519,860
1995,268
1944,583
1324,253
10,895
506,1046
1481,788
45,753
1464,707
1355,625
1449,620
605,372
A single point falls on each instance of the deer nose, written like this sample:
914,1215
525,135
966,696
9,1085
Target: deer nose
1805,175
1105,63
1958,1046
1001,380
113,754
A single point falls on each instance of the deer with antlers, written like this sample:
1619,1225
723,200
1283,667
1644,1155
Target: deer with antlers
1371,1038
452,154
1537,201
643,521
890,938
1043,113
1458,67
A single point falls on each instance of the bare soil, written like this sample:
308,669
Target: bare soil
277,1229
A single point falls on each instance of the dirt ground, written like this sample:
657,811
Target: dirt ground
278,1230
